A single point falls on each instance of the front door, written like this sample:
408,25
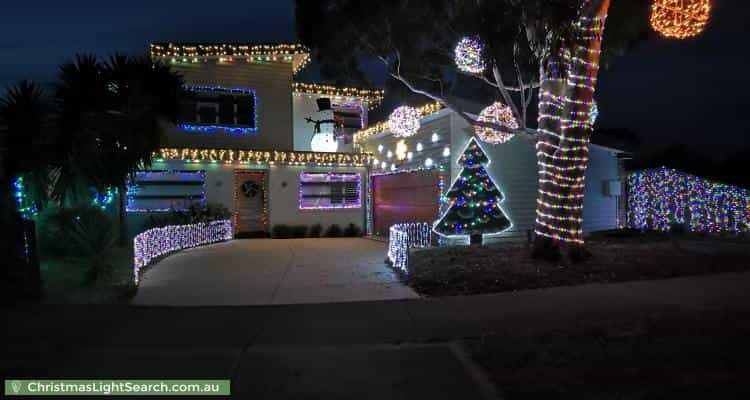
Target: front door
250,199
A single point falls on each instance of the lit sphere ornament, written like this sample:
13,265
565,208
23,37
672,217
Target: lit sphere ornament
324,142
680,19
404,121
497,113
468,55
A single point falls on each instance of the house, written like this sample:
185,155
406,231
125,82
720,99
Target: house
410,174
242,141
266,147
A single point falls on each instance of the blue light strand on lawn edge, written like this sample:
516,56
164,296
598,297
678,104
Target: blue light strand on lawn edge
660,198
405,236
157,242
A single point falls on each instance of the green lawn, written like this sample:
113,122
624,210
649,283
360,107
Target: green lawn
65,280
704,356
616,257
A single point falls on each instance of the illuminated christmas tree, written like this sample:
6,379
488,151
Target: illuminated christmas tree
474,199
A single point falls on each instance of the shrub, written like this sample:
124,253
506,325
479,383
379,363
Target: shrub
281,231
299,231
333,231
315,230
194,214
352,231
82,232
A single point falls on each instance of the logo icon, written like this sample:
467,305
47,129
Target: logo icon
16,386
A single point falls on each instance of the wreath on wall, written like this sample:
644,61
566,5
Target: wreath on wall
251,189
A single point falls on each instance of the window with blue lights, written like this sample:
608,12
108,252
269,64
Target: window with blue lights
210,109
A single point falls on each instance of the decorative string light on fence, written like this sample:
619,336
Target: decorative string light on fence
407,236
661,198
160,241
404,121
500,114
468,55
680,19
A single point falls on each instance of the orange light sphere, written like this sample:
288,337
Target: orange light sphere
680,19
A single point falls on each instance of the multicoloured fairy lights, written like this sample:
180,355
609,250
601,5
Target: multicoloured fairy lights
680,19
372,97
25,206
500,114
566,115
468,55
473,201
404,121
297,54
157,242
403,237
229,156
661,198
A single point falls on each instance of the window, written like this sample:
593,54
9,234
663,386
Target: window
212,108
322,190
162,190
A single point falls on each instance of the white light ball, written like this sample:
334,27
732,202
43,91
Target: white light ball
468,55
497,113
404,121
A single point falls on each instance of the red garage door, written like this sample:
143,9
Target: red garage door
405,197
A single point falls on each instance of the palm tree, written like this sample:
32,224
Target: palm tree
114,114
25,133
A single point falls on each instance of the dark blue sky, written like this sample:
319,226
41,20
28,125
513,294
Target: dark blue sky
667,91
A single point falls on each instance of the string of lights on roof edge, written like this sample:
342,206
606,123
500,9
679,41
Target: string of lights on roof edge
229,156
372,96
228,53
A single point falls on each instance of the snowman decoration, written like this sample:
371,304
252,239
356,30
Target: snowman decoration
324,138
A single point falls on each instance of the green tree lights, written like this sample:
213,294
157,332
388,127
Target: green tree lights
474,199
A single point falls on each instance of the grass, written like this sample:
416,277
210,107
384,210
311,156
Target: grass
616,257
704,356
64,280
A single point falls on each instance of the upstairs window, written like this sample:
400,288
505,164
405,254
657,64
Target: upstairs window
217,108
329,190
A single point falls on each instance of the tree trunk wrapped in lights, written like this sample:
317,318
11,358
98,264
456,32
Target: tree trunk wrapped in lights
565,103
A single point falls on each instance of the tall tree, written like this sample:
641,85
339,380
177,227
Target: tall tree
25,131
114,114
548,50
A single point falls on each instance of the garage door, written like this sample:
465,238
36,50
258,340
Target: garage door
405,197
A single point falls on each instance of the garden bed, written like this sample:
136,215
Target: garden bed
616,257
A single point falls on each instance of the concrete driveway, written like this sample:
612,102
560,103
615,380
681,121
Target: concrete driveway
268,271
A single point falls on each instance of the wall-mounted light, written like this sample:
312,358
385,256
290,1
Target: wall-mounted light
419,146
390,154
409,155
380,148
383,165
446,151
393,167
435,137
428,162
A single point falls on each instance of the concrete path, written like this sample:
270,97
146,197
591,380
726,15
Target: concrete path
268,271
403,349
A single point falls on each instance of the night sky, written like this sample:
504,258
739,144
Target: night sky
666,91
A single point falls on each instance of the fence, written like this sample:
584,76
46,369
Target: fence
661,198
156,242
403,237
